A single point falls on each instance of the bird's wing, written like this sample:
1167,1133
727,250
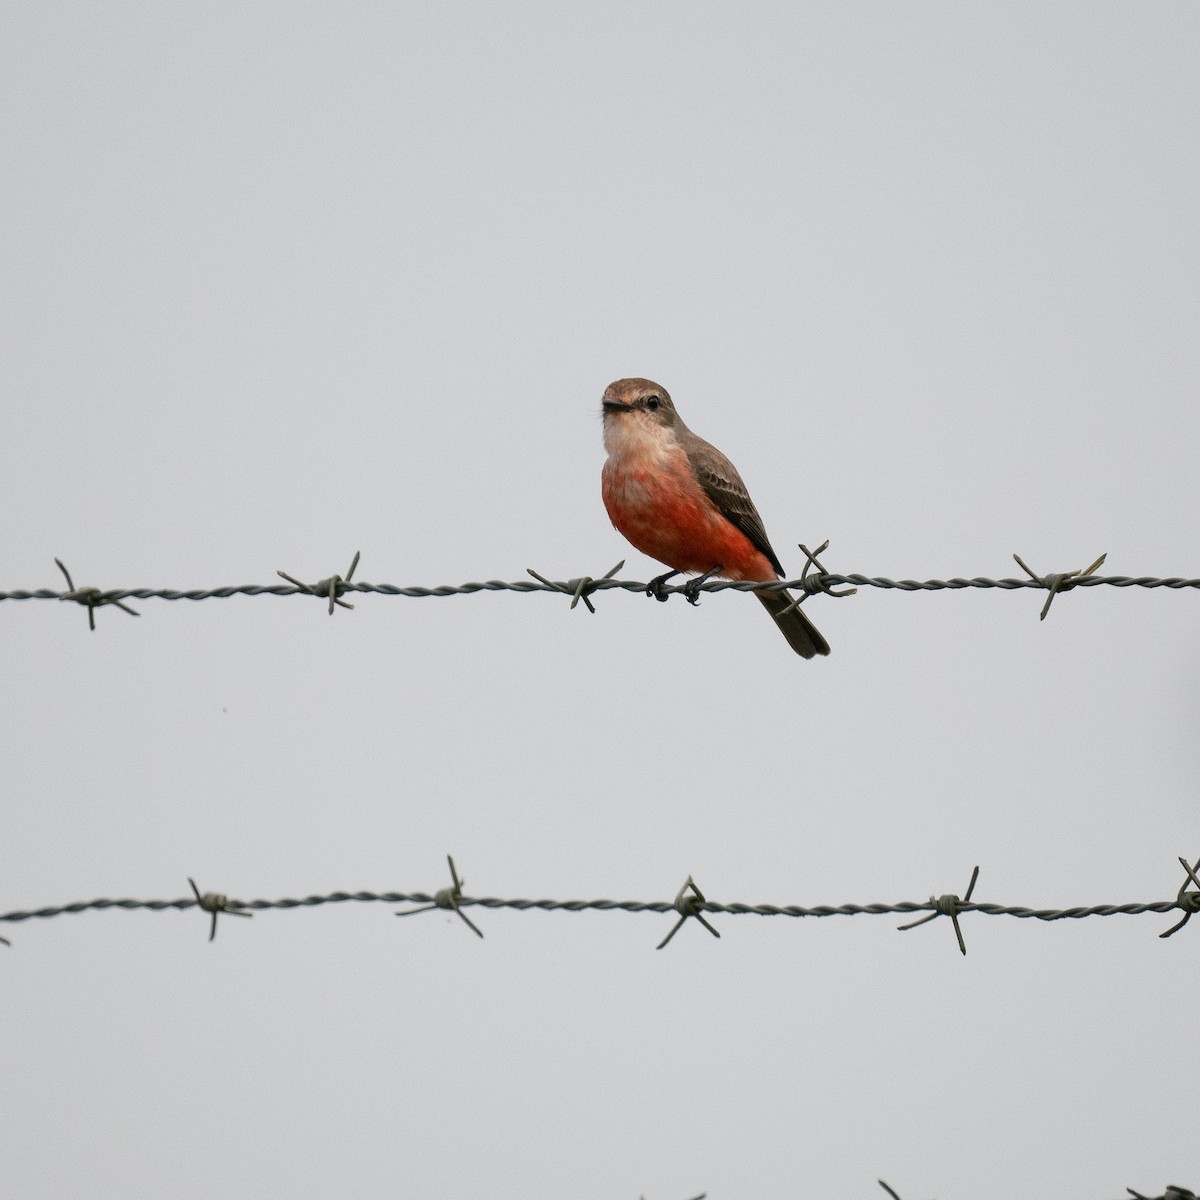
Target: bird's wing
724,487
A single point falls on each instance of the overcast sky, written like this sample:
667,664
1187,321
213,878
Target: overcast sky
283,281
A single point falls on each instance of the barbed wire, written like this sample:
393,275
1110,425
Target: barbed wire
814,580
1171,1192
689,903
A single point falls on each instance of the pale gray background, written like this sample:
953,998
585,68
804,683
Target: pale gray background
283,281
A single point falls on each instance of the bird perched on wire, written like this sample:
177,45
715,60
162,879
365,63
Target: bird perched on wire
681,501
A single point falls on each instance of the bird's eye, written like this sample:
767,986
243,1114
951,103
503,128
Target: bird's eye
652,404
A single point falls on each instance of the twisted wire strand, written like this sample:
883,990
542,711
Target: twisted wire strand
110,595
632,906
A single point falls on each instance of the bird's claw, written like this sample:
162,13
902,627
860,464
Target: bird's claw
657,586
691,589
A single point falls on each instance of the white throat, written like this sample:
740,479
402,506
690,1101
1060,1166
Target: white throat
631,437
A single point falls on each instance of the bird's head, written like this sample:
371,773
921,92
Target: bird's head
637,404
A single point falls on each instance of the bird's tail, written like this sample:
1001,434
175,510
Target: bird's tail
802,635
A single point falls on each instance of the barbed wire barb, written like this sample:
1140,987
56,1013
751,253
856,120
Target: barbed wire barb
578,589
887,1188
91,598
812,583
1188,901
333,587
947,906
215,903
689,902
1058,583
448,898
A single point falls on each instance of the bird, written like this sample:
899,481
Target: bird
680,500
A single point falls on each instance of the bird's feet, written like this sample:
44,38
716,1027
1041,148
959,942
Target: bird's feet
657,586
691,589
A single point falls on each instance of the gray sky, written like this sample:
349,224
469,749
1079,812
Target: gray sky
284,281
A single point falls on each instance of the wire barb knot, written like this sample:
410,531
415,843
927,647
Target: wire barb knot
814,578
689,902
1188,902
448,898
215,903
816,582
91,598
578,589
333,587
948,905
1059,582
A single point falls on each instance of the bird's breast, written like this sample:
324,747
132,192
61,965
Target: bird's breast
658,505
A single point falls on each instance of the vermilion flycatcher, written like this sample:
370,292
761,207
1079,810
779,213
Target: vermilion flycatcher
680,500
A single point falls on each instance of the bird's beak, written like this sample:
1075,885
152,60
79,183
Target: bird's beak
615,406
